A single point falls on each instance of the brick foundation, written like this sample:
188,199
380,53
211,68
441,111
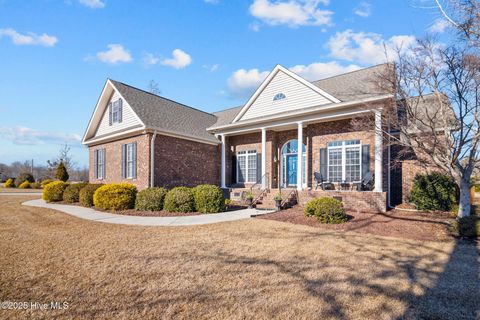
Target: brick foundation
365,201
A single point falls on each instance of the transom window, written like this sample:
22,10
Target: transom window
279,96
116,106
247,166
344,161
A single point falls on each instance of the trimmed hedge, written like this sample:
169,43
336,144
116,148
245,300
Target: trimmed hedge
9,183
24,185
22,177
180,199
151,199
85,195
435,191
35,185
208,198
72,192
115,196
45,182
326,210
53,192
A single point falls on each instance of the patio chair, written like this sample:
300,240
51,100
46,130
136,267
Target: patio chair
322,183
366,184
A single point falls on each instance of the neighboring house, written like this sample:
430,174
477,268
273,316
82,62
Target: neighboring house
132,131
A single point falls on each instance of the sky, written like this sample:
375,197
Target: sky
55,55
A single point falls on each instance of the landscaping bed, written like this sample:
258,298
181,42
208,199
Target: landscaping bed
395,223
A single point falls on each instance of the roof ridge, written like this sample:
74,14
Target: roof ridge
353,71
161,97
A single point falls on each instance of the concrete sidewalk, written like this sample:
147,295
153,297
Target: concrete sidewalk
91,214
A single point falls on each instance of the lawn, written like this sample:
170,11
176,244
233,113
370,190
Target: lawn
253,268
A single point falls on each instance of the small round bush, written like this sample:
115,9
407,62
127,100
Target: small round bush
115,196
180,199
326,210
435,191
9,183
53,192
208,198
45,182
150,199
72,192
22,177
85,195
35,185
24,185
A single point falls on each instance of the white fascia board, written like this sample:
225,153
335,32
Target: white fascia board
269,78
161,131
322,108
115,136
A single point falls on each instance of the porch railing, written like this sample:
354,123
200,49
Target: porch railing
258,190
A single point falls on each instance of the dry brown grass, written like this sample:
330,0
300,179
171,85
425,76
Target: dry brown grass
245,269
17,190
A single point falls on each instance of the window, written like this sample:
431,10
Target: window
99,163
279,96
116,111
247,166
130,161
344,161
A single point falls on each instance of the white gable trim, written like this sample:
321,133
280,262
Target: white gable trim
267,81
100,108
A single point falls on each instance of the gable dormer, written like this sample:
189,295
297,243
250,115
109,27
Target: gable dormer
283,91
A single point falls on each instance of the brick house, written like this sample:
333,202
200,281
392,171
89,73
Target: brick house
138,137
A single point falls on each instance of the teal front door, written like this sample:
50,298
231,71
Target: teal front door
291,170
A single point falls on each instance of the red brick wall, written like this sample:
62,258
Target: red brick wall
113,166
180,162
366,201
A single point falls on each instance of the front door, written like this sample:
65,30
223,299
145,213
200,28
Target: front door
291,174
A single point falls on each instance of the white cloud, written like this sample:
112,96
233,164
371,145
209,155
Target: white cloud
179,60
211,68
149,59
28,39
211,1
439,26
364,9
28,136
115,54
366,48
94,4
292,13
321,70
242,83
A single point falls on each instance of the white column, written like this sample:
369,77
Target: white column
378,152
222,166
300,156
264,158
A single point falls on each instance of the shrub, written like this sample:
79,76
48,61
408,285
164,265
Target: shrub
61,173
53,192
477,188
24,185
35,185
9,183
86,194
208,198
434,191
179,199
45,182
115,196
150,199
22,177
326,210
72,192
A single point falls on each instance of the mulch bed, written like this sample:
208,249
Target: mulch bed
429,226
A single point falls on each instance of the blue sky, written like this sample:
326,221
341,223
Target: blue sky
55,55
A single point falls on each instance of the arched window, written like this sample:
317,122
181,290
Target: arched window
279,96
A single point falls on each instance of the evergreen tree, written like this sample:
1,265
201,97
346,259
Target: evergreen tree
62,173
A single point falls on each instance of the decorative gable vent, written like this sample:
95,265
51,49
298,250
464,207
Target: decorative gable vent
279,96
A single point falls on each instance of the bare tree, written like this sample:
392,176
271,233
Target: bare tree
154,88
436,110
64,155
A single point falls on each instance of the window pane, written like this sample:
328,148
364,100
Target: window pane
241,168
252,168
335,165
352,168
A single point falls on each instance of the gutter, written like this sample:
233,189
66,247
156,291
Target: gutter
152,159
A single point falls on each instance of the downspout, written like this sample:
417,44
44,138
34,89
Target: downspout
152,159
389,168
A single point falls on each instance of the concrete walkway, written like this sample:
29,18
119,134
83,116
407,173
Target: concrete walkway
91,214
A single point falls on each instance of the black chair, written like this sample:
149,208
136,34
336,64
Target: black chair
367,182
322,183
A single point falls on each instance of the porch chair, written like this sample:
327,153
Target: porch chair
367,182
322,183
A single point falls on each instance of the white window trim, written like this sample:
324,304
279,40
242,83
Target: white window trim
129,175
245,154
101,164
116,111
344,147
